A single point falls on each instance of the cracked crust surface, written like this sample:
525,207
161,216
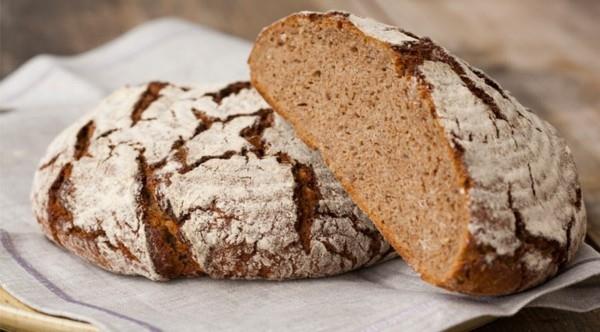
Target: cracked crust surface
166,181
474,191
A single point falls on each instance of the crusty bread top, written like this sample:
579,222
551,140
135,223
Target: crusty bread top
521,180
167,181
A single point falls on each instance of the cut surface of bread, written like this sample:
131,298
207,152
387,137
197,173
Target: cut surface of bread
472,189
167,181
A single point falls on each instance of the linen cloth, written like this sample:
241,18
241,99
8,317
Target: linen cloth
48,93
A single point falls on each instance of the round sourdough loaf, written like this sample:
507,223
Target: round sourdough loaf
166,181
473,190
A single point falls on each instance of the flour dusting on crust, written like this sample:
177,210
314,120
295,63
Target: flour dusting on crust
525,198
166,181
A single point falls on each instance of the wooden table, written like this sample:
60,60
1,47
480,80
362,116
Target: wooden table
547,53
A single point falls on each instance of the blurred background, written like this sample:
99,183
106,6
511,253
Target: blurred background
547,53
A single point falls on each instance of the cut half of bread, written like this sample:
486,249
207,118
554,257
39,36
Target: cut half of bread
168,181
474,191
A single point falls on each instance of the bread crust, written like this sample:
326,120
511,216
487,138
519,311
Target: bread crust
526,218
166,181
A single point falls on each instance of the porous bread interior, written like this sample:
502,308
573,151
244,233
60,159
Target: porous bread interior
376,131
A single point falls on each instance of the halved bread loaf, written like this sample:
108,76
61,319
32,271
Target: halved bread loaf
474,191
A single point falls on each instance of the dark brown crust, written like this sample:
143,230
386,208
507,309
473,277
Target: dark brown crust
60,222
306,196
186,168
84,136
253,134
508,274
489,81
107,133
414,53
169,250
230,89
57,213
146,99
49,162
208,121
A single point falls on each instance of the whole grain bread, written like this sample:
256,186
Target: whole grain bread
472,189
166,181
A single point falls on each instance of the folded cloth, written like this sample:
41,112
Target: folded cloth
48,93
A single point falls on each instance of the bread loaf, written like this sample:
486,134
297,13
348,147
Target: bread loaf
474,191
166,181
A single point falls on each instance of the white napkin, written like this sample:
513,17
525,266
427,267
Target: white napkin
48,93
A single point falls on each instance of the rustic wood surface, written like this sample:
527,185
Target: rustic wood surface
547,53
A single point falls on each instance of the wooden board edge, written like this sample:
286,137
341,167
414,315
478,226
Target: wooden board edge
16,316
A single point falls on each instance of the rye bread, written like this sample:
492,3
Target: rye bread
473,190
166,181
